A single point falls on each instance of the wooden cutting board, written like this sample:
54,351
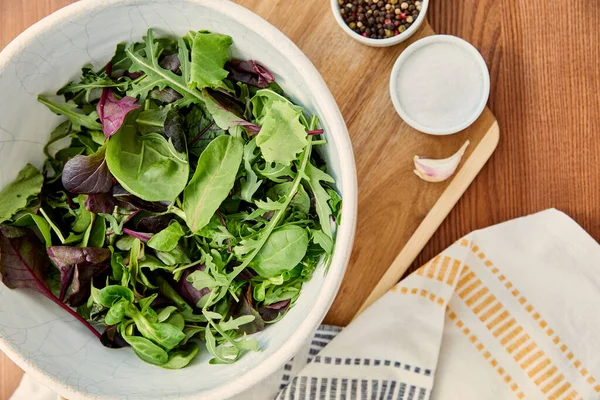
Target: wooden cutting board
397,212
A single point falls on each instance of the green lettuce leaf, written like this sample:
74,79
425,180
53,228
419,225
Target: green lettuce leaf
16,195
210,52
282,135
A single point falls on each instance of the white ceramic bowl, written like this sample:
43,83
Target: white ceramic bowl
335,8
41,338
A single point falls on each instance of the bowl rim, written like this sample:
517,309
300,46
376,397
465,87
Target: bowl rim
335,8
347,180
425,42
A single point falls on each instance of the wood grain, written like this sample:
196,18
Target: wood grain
545,77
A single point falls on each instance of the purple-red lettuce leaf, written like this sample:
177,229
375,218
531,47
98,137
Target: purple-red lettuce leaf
245,307
126,198
79,289
154,223
23,264
87,174
66,258
249,72
100,203
271,312
166,95
172,63
186,288
143,236
174,130
112,338
112,112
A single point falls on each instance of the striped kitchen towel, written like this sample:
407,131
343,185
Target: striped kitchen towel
508,312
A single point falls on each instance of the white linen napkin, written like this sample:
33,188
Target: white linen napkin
506,312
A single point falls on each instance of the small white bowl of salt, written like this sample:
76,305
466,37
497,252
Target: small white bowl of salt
440,85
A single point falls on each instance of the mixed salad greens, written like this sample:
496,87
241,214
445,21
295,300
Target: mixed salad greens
182,200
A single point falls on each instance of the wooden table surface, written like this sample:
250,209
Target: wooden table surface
544,63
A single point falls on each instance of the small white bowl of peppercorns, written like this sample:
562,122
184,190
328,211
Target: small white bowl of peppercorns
380,23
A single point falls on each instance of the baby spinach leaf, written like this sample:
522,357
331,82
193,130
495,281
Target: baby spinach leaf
210,52
77,119
250,183
214,177
16,194
314,177
282,136
181,356
282,251
87,174
112,112
152,120
167,239
146,350
145,166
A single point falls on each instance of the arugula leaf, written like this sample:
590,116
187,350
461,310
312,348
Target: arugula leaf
282,136
321,238
145,165
301,200
210,52
212,181
249,184
16,194
278,173
314,177
158,77
77,119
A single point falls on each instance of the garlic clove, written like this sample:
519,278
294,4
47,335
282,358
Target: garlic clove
431,170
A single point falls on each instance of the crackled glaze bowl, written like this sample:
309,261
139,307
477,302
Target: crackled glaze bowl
40,337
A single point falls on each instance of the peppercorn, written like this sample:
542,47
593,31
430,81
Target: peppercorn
379,19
